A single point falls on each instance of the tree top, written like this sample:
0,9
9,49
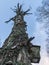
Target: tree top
19,11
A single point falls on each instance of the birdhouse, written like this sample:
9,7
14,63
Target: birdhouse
35,55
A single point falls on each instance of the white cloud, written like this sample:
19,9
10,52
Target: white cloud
44,61
40,37
40,34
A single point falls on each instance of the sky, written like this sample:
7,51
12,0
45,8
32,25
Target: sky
34,28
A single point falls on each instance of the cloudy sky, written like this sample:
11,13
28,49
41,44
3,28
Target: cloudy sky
34,28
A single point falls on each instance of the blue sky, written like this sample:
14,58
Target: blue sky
6,13
34,28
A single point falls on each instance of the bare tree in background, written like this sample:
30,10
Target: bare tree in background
43,17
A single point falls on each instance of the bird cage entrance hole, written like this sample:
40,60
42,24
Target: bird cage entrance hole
9,64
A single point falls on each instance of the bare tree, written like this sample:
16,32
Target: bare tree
43,17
